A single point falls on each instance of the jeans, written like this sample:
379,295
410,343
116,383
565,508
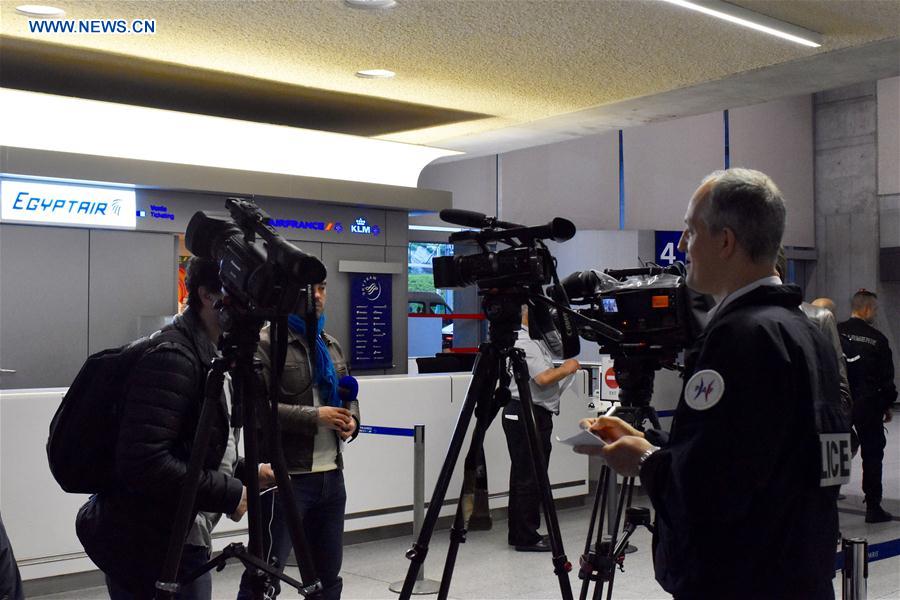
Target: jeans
524,490
192,558
320,499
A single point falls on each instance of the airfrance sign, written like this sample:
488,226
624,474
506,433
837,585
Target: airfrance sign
72,205
314,225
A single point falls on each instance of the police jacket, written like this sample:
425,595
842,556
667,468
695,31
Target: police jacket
297,413
739,510
870,369
125,531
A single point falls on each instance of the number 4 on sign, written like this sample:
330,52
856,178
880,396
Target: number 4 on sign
668,253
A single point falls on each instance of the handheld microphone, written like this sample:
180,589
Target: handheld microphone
348,389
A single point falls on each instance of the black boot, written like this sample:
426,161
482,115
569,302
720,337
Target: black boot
876,514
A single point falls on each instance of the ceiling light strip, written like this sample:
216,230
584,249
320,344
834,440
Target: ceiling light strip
76,125
753,20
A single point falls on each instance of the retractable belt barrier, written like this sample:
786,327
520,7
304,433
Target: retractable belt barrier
422,585
874,552
375,430
853,563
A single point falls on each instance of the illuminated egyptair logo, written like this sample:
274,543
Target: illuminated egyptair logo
116,207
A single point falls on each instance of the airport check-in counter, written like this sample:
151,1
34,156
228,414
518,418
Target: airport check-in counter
40,517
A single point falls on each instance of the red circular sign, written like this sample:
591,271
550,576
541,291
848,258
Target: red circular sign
610,378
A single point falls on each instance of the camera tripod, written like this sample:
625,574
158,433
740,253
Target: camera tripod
600,559
238,346
503,310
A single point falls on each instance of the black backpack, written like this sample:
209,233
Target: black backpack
84,430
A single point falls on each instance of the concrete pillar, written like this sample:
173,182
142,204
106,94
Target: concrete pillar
847,205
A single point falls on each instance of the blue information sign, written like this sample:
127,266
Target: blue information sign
667,248
370,322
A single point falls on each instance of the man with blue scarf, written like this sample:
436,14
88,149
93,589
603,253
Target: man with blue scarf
314,422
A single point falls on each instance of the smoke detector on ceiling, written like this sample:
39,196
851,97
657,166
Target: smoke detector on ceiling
371,4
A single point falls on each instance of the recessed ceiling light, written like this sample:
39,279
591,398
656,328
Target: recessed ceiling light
40,11
371,4
375,74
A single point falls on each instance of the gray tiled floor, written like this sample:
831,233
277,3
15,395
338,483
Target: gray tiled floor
488,569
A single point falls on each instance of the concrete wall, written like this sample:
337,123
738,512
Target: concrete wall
848,206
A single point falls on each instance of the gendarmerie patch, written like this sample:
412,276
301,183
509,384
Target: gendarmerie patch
704,389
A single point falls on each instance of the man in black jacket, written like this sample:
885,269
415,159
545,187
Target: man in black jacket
126,530
871,372
743,509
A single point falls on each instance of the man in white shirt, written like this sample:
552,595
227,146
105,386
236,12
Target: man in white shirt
547,384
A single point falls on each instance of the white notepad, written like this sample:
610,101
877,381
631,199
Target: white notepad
582,438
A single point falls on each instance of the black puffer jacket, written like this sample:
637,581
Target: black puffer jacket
125,531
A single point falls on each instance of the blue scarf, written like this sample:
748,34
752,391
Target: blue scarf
326,376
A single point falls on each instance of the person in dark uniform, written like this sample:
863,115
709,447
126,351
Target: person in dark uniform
743,509
871,374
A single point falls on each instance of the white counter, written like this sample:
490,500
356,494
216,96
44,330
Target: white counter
40,517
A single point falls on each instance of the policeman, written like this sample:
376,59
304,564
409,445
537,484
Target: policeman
871,373
745,504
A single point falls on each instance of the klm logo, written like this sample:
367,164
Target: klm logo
361,226
61,206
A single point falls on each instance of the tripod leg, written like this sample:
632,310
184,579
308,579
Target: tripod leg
312,583
484,379
458,530
167,585
561,565
242,385
590,552
627,489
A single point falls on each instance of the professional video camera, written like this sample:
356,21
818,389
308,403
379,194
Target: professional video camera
651,306
270,282
516,273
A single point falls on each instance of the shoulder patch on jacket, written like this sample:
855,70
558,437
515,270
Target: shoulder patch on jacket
704,389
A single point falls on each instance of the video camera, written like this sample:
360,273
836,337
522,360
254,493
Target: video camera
517,272
267,281
651,306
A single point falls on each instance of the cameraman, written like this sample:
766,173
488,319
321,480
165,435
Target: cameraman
739,508
314,424
547,384
126,529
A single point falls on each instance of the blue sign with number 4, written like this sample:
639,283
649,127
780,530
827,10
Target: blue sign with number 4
667,248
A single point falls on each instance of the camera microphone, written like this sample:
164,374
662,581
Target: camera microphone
348,389
476,220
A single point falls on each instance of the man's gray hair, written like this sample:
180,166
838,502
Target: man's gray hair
750,204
